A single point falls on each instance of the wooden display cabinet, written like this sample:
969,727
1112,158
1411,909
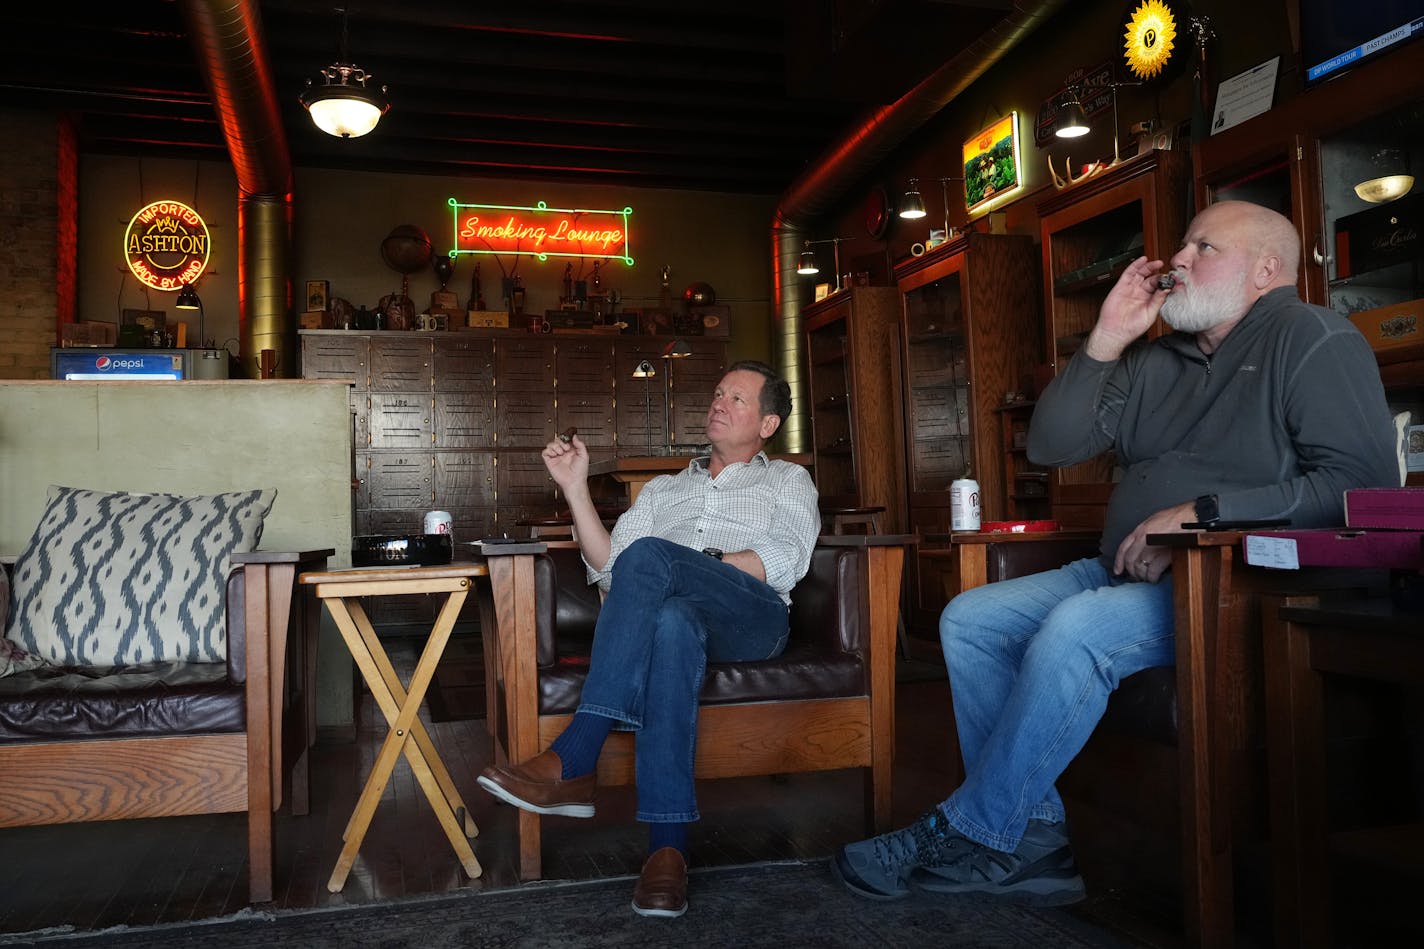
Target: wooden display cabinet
1090,233
1026,494
970,336
852,355
1303,159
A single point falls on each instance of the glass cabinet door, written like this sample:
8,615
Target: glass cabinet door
937,380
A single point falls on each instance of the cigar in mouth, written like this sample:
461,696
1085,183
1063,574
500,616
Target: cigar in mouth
567,435
1167,280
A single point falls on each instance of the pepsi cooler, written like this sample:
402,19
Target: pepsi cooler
110,364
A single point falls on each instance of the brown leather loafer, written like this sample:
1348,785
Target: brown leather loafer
537,785
662,886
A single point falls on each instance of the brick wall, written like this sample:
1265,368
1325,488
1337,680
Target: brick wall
38,191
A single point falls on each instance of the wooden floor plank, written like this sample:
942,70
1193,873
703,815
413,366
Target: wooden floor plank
183,868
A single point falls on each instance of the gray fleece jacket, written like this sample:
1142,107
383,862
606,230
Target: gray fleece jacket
1278,422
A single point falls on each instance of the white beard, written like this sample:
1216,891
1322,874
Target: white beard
1193,308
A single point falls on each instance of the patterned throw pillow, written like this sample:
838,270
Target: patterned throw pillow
13,659
116,578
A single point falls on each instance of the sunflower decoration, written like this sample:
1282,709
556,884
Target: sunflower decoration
1151,32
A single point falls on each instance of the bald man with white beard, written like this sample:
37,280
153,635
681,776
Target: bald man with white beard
1258,406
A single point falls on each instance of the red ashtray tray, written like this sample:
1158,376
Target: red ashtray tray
1017,527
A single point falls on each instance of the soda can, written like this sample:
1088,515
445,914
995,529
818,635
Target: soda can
964,505
438,522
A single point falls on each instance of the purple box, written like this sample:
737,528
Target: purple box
1335,547
1386,508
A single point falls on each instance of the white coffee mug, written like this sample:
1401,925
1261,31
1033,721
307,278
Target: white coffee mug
438,522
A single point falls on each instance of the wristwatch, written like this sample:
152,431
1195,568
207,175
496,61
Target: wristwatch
1207,511
712,552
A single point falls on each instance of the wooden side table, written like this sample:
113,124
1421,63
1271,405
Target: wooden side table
341,590
1364,638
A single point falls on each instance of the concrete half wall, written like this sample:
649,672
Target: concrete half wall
191,438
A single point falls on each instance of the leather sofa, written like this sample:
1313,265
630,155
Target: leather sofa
827,702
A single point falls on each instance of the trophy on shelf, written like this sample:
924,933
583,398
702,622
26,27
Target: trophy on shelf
444,302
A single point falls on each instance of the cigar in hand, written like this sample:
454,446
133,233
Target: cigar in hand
567,435
1167,281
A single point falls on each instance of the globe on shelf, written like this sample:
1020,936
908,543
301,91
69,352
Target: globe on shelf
700,294
406,249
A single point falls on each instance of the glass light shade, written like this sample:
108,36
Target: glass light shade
1074,123
645,370
808,264
343,117
1384,188
914,205
343,105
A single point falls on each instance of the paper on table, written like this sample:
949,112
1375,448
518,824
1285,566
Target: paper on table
1277,552
1245,95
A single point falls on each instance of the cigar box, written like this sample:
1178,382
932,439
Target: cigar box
487,318
1385,508
1335,547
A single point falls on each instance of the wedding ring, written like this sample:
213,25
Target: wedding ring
1143,562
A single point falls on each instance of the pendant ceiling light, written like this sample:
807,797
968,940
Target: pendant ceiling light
342,104
1392,181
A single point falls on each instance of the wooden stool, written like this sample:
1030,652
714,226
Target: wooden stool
560,527
835,520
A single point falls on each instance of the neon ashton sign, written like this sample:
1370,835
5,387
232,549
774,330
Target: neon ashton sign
540,231
167,245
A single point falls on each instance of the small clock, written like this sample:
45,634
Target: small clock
877,212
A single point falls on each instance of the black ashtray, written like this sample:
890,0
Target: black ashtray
401,550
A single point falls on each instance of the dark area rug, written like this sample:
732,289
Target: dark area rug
762,905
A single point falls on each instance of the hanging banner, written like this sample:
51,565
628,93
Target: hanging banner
167,245
540,231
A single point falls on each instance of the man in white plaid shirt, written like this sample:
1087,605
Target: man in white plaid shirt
699,569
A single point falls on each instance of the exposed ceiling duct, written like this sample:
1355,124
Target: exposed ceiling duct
227,36
230,48
848,161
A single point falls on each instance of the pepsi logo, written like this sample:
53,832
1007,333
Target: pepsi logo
102,362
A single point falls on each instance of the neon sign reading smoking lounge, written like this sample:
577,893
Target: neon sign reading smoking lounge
540,231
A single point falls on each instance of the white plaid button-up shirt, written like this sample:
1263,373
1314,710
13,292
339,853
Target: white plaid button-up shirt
767,507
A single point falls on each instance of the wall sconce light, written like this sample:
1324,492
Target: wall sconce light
188,299
1392,180
915,204
912,207
808,264
343,105
1074,121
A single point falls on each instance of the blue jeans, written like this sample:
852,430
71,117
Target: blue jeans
669,611
1031,664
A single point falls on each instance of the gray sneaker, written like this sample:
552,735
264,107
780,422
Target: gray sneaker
879,868
1039,872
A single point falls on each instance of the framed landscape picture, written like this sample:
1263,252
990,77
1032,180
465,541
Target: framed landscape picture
992,168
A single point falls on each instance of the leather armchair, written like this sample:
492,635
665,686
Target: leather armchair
171,738
825,703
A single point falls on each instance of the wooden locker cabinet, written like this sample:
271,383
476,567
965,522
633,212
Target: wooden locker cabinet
970,335
455,421
690,380
1090,233
853,358
642,419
